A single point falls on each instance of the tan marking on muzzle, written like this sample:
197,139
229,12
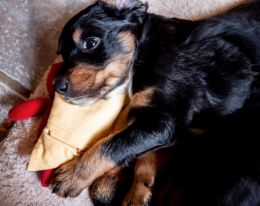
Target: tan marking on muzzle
102,79
85,78
82,77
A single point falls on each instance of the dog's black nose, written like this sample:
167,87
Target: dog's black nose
61,86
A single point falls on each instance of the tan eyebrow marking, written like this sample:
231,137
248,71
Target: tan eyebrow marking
76,35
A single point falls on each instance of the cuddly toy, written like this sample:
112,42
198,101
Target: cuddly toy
38,106
70,128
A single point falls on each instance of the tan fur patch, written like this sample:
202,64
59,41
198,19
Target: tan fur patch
138,196
145,172
105,186
85,78
82,77
147,167
127,40
77,35
121,62
143,98
76,175
67,181
95,163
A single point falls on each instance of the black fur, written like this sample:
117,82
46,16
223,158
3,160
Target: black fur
218,168
100,20
202,71
211,72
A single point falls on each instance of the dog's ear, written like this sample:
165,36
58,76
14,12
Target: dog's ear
124,4
127,4
134,11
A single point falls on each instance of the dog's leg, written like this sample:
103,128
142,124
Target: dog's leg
149,131
102,191
147,167
152,128
145,173
112,187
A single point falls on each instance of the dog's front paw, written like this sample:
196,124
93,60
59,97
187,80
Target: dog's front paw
69,179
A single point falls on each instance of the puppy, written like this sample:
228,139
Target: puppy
100,46
107,47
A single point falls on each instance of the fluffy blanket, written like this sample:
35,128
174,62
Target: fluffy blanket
19,187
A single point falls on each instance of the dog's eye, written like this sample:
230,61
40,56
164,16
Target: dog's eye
90,44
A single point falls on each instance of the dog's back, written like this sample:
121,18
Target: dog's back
218,168
222,167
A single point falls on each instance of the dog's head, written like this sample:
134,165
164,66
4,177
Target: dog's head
98,47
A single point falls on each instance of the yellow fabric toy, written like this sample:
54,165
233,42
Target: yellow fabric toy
73,128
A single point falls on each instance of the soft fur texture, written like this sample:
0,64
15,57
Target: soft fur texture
220,167
21,187
183,78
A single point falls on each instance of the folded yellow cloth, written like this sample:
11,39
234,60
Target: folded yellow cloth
73,128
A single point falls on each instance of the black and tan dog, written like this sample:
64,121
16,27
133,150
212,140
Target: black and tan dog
177,71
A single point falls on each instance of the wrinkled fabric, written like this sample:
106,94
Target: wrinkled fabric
73,128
